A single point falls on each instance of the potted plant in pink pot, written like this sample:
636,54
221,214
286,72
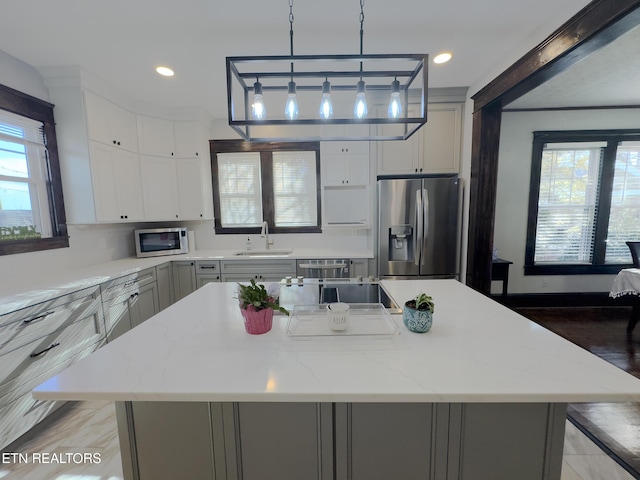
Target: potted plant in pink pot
257,306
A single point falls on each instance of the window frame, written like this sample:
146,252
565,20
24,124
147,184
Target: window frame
266,150
20,103
612,138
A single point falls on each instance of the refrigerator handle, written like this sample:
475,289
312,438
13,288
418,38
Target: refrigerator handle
425,213
417,228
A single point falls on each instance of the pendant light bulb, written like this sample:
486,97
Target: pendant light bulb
395,104
326,109
360,108
257,107
291,108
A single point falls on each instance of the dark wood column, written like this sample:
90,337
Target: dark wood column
482,195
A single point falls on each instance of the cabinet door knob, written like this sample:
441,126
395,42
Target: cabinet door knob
176,216
118,143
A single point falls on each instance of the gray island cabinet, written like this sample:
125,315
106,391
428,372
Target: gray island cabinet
481,396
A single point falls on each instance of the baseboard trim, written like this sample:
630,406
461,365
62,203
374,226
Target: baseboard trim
591,299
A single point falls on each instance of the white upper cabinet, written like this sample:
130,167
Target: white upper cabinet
155,136
110,124
345,179
344,163
189,141
159,188
115,176
435,148
165,138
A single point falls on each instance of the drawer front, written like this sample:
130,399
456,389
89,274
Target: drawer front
28,329
17,417
28,361
207,267
20,385
133,280
284,267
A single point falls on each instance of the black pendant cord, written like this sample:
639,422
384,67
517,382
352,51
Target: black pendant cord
291,33
361,32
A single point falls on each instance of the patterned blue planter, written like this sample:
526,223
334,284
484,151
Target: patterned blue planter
418,321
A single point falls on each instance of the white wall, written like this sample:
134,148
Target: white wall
88,245
514,172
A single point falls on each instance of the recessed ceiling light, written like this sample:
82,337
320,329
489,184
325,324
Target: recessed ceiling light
165,71
442,57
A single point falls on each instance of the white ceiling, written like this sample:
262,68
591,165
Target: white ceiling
121,41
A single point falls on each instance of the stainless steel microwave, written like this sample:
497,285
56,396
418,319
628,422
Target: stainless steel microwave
154,242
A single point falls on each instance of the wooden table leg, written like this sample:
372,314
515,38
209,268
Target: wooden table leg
635,315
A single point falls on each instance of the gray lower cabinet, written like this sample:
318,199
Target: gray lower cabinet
164,279
261,270
207,271
184,279
144,304
341,441
38,342
128,301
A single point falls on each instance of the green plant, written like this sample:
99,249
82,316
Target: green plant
422,301
257,296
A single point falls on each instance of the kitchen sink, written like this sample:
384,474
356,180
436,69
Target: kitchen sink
263,253
313,292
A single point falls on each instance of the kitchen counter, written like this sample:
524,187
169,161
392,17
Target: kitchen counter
20,292
476,351
482,395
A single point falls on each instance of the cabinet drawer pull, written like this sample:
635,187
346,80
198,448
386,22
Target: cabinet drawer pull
29,320
130,282
212,267
53,345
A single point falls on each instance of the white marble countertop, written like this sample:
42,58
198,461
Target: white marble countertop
17,293
476,351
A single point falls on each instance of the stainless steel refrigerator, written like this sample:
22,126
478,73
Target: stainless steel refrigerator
418,227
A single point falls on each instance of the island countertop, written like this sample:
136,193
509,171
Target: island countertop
476,351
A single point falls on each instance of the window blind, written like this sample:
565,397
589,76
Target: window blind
294,189
567,203
624,216
240,189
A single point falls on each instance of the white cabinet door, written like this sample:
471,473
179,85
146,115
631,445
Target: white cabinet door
97,112
159,188
358,169
110,124
334,170
345,163
155,136
191,196
435,148
116,184
442,138
188,140
397,157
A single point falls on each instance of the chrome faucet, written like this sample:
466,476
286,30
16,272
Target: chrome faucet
265,234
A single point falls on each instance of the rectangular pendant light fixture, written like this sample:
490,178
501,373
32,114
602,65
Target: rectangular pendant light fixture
327,97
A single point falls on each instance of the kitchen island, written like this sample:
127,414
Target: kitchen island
481,396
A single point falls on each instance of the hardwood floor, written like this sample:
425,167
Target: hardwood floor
602,331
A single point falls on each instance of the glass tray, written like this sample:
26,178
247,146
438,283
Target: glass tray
365,319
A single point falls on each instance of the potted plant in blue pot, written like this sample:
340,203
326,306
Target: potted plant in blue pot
417,314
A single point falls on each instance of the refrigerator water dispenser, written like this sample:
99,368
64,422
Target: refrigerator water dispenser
401,242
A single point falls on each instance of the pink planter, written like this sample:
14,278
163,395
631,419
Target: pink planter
257,322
